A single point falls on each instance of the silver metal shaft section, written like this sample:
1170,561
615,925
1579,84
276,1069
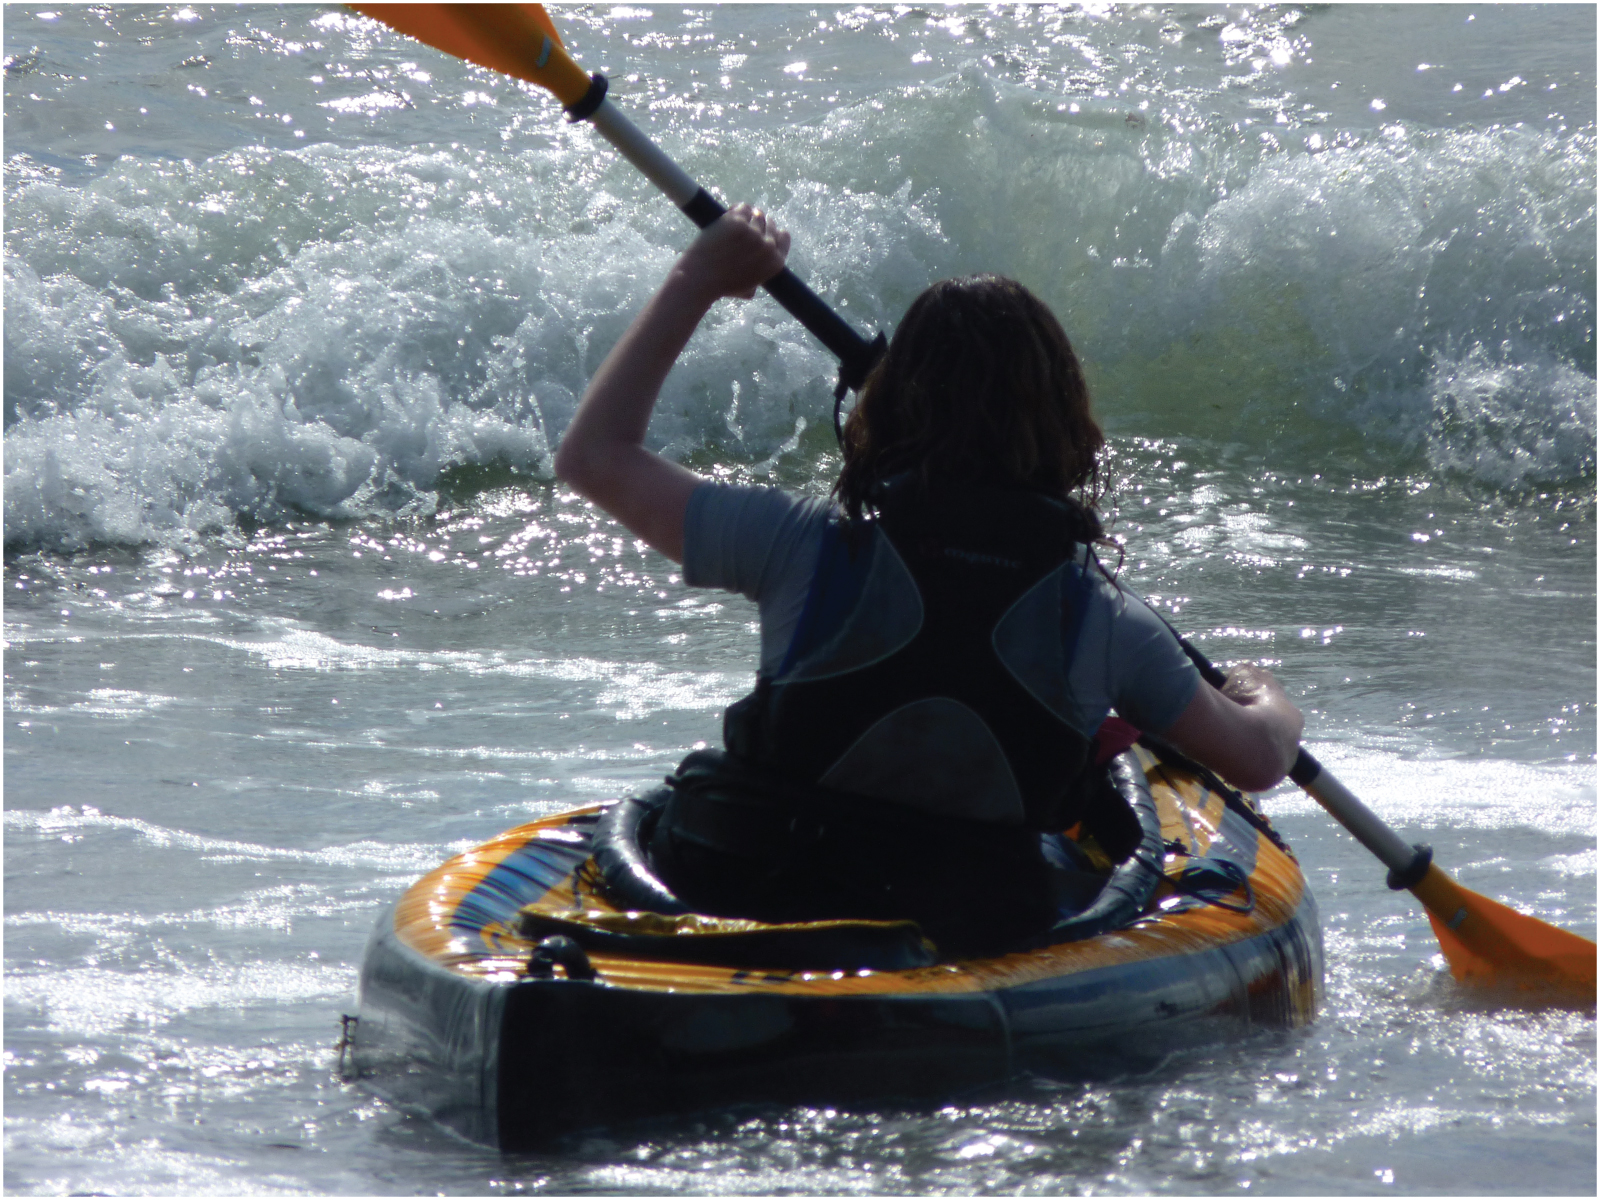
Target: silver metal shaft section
643,153
1361,821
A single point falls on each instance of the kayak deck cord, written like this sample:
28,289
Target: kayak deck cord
1202,864
1231,796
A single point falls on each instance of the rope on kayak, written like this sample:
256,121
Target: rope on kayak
1235,876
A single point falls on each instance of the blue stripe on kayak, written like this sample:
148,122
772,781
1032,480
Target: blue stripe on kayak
1175,986
525,875
1240,839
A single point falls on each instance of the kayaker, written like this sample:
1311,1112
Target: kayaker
939,642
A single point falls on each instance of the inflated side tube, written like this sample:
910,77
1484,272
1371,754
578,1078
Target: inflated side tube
619,843
816,946
1133,881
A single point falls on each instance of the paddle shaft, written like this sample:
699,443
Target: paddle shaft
1482,940
856,355
1407,863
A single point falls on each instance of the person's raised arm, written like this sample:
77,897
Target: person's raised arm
1248,731
602,454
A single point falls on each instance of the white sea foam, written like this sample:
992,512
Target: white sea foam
1363,284
370,855
1553,798
326,330
96,1000
155,391
1511,422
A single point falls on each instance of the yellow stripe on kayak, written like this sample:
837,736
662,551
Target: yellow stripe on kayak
1190,815
422,918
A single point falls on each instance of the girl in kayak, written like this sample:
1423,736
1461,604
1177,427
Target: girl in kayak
939,644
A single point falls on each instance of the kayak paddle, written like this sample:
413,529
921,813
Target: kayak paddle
521,40
1483,940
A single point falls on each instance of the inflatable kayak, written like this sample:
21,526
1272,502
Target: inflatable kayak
545,982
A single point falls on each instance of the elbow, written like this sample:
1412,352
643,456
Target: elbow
1252,744
1258,776
563,465
573,467
1247,764
1270,747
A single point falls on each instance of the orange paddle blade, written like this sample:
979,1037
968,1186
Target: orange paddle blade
514,39
1486,942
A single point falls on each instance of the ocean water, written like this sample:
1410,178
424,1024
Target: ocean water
295,311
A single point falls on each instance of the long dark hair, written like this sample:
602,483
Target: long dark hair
979,385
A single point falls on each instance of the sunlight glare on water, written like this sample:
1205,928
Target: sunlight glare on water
295,311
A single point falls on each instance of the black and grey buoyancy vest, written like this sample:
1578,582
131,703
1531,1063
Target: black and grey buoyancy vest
930,664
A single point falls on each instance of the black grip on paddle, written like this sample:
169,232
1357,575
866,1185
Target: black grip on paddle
703,208
1305,768
590,100
1399,881
856,355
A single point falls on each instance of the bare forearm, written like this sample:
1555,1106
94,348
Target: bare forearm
1249,733
1277,721
1275,726
616,407
602,454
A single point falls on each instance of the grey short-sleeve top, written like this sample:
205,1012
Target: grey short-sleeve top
763,543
